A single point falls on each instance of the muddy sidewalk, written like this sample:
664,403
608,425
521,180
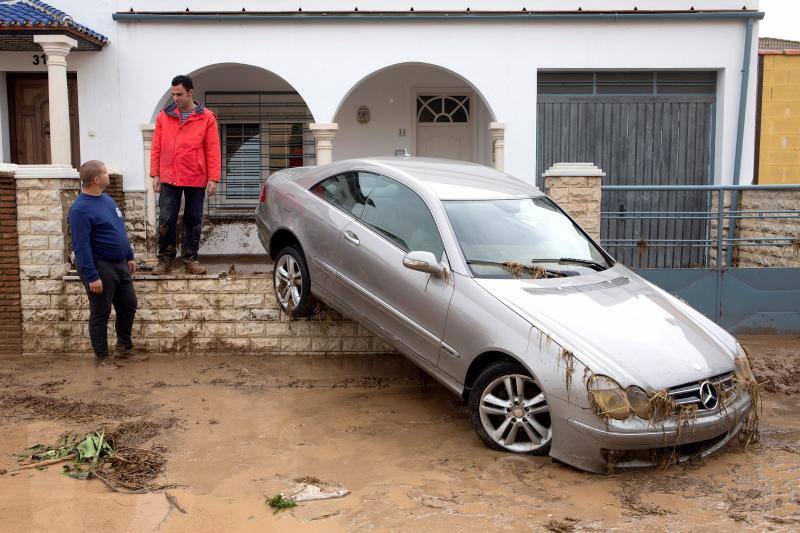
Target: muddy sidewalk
236,430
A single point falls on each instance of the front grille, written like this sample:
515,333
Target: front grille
689,394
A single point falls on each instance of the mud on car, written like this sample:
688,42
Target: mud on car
490,287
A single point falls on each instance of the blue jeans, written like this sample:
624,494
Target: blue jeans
169,204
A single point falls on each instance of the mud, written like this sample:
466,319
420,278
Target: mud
239,429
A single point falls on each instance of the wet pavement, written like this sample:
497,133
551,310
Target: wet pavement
246,426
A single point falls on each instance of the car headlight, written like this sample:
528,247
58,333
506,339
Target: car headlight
639,402
742,364
607,398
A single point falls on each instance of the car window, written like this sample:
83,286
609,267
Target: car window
400,215
347,191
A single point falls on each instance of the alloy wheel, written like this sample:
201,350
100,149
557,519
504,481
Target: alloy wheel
288,282
514,413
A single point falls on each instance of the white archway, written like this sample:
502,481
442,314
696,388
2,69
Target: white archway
388,112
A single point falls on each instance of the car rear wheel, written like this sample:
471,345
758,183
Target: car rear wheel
293,283
509,410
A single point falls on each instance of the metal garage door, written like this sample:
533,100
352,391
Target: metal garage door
641,128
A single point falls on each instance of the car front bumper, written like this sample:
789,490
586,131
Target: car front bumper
583,440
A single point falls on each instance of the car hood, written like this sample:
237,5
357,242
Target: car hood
620,325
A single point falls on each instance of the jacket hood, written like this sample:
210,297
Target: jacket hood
622,326
169,109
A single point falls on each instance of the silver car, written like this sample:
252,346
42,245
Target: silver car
490,287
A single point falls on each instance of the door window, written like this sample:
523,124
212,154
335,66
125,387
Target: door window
347,191
399,215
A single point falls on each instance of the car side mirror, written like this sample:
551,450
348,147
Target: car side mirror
423,262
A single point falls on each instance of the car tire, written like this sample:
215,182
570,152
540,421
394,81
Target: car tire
290,273
495,415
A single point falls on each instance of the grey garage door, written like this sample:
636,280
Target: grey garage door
641,128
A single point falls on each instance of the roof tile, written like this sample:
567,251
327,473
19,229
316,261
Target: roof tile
28,13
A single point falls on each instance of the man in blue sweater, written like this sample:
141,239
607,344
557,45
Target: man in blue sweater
105,261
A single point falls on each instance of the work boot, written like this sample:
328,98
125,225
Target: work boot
194,267
127,354
162,267
105,362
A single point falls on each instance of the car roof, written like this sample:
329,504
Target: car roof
455,180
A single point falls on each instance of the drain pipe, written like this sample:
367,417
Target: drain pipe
737,164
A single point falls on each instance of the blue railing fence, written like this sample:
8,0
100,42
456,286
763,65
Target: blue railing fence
691,226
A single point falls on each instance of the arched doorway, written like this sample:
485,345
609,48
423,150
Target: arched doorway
414,108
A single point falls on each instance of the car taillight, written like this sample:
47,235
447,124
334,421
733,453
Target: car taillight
264,192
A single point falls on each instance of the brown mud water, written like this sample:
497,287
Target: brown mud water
249,427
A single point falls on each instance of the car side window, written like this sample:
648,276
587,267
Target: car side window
400,215
346,191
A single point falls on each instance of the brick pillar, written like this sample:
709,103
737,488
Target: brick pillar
44,194
576,188
10,308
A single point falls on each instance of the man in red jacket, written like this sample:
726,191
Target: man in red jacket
184,161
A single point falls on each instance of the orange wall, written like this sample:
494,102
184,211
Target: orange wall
779,159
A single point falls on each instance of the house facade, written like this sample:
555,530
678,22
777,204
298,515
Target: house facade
658,93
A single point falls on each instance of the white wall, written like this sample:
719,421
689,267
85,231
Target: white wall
121,86
389,95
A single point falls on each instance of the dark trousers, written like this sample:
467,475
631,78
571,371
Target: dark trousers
169,202
117,291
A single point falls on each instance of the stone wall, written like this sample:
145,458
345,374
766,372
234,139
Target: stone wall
187,314
10,310
144,246
193,314
787,255
576,188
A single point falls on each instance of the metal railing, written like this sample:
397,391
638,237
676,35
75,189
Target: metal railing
261,132
691,226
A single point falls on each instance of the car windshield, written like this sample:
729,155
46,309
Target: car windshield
521,237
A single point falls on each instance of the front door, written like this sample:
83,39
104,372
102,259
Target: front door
407,305
30,119
444,126
347,194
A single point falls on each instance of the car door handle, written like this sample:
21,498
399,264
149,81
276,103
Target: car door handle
351,237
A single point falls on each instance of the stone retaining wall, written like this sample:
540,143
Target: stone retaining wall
769,256
192,314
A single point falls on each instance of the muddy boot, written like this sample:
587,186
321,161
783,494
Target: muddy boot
163,267
194,267
127,354
105,362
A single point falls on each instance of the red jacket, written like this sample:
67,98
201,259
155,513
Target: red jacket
188,154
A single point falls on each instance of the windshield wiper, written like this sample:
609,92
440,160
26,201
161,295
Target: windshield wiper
508,266
586,262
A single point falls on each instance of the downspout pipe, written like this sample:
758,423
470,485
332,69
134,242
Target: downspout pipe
743,91
737,163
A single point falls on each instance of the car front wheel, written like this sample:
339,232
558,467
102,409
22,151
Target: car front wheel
509,410
293,283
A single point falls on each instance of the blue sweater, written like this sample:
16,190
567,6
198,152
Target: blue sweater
98,232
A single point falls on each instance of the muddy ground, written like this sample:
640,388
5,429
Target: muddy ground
239,429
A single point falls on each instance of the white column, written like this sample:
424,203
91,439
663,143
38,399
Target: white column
498,133
149,194
323,135
56,47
